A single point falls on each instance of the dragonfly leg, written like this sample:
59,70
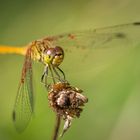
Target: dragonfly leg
59,78
52,75
42,77
45,74
64,77
58,75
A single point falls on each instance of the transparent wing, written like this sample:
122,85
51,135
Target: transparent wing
82,49
99,38
23,108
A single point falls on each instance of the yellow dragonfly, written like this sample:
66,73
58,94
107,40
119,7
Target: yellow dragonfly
50,51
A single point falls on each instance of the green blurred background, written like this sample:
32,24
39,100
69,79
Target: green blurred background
113,110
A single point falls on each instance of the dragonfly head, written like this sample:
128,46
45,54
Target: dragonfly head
54,56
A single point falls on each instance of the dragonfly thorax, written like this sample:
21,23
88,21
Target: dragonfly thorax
53,56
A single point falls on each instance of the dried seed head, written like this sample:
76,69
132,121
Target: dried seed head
67,101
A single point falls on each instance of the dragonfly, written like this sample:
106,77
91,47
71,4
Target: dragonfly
50,52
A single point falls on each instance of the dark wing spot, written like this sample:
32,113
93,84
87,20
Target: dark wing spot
136,23
22,80
49,38
71,36
120,35
14,115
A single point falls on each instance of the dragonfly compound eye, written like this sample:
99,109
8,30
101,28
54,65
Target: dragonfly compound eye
59,56
53,56
49,55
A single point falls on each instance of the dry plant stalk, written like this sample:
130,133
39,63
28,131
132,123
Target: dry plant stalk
67,101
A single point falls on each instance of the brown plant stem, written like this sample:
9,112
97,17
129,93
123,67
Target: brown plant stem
57,126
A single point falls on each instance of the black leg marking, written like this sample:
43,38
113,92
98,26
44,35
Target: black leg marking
62,72
56,73
52,74
45,74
